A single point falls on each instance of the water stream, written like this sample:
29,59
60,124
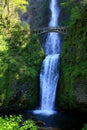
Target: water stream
49,72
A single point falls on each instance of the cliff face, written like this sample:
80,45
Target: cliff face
72,89
37,13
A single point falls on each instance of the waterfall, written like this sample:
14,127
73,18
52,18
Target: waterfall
49,72
48,82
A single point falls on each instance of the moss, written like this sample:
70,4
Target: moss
73,67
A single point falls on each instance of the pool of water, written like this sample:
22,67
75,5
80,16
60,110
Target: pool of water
65,121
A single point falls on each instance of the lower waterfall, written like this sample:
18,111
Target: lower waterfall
48,82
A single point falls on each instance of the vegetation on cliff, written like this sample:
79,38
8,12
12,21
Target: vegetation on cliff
20,59
73,66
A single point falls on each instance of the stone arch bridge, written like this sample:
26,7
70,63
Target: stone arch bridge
59,29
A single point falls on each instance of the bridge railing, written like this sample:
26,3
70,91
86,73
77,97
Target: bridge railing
60,29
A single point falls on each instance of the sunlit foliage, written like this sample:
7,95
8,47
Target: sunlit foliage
16,123
20,55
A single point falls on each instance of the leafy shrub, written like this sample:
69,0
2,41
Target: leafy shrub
84,127
16,123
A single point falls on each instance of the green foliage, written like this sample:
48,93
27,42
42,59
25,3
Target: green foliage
20,58
15,123
20,4
73,68
75,14
9,13
84,2
66,3
84,127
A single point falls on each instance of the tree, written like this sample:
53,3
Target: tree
9,11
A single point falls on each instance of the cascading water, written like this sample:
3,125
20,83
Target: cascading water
49,77
49,72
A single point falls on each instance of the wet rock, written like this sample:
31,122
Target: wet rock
40,123
48,128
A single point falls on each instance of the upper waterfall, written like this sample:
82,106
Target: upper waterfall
52,45
54,13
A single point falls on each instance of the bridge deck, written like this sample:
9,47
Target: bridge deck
60,29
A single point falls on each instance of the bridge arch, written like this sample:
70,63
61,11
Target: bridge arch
60,29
